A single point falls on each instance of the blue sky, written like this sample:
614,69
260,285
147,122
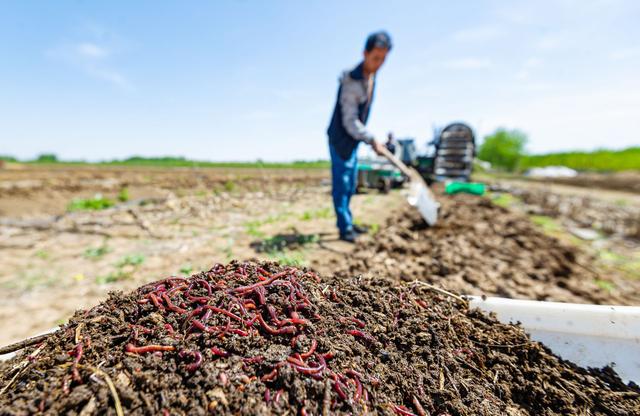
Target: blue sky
241,80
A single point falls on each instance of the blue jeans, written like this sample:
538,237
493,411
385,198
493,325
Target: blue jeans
344,175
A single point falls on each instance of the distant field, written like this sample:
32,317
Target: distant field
599,160
176,162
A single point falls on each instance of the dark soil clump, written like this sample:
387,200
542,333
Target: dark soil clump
256,339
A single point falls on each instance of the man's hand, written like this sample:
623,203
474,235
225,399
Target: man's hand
377,147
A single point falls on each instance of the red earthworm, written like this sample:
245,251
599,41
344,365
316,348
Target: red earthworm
206,285
172,280
224,379
296,361
175,289
171,306
267,394
418,406
77,355
261,295
401,410
422,303
155,301
169,328
256,285
303,412
201,326
360,334
327,356
148,348
219,352
206,316
143,301
66,382
354,373
294,340
358,386
312,349
270,376
197,359
253,360
165,412
272,331
356,321
337,386
224,312
272,312
277,398
263,271
240,332
310,370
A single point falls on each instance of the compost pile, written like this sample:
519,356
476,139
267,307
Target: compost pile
477,248
250,339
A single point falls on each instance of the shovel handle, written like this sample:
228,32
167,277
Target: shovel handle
398,163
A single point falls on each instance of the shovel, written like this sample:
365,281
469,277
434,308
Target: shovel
420,196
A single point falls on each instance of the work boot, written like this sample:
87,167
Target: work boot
360,229
349,236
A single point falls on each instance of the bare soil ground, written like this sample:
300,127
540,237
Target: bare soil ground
177,221
411,351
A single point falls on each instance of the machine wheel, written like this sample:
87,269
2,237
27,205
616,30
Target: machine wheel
384,185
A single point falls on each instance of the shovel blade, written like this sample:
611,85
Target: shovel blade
423,200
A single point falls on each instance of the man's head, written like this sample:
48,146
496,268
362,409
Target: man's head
390,137
375,51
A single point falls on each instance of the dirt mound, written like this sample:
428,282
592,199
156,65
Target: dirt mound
477,248
262,339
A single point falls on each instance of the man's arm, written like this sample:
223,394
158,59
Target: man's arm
349,101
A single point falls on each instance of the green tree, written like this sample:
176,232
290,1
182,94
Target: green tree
47,158
503,149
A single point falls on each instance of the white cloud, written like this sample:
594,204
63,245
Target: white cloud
478,34
91,50
468,63
524,73
94,58
625,53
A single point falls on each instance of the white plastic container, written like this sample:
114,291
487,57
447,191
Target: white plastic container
587,335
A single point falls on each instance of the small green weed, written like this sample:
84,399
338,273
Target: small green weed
123,195
98,202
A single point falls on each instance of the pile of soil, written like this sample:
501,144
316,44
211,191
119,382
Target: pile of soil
478,248
256,339
620,218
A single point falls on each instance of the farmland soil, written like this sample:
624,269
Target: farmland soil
479,248
250,339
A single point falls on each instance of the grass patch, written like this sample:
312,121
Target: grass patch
504,200
123,195
95,253
548,224
98,202
323,213
279,243
252,228
604,284
288,258
42,254
186,270
113,277
229,186
131,260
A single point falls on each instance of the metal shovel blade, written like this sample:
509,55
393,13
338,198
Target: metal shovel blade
421,198
419,194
